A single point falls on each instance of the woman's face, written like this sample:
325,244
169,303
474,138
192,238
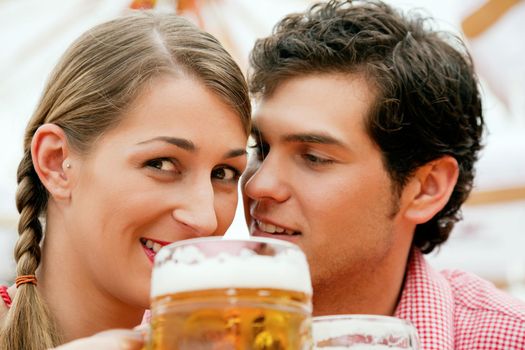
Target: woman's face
167,172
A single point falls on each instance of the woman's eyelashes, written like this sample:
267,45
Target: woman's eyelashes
172,167
166,165
226,173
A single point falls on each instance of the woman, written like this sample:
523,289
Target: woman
138,141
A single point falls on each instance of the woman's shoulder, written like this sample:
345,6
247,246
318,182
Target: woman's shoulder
3,310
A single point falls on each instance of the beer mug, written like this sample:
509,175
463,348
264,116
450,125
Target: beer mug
230,294
363,332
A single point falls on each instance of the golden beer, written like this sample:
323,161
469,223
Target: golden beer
229,319
211,294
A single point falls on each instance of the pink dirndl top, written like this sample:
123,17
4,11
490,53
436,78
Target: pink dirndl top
5,296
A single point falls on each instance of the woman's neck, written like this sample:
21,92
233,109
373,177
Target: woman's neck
79,305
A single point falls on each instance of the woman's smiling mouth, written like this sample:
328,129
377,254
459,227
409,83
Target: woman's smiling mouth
151,247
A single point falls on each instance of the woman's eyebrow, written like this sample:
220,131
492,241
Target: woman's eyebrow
235,153
188,145
176,141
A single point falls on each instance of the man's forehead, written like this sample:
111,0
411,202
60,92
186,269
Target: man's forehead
313,101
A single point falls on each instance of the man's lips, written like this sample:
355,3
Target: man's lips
261,226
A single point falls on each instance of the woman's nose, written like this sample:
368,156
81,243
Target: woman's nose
198,211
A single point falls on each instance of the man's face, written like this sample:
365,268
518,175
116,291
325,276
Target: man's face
318,180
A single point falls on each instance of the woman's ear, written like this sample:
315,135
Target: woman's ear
50,152
431,188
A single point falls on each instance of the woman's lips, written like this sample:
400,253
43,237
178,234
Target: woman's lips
152,246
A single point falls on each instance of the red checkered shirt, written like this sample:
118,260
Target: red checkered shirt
458,310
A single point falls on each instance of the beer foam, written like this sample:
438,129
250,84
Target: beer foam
376,329
188,269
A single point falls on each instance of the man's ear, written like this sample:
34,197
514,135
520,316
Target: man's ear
50,152
430,188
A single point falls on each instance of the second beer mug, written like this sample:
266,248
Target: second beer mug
212,293
363,332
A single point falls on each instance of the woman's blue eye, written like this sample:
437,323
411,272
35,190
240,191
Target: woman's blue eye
225,174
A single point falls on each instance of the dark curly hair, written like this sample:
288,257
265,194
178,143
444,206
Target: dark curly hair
427,100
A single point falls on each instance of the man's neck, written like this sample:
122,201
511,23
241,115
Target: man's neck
377,293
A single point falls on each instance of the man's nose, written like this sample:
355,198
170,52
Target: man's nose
266,180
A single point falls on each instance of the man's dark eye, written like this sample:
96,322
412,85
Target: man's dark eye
261,149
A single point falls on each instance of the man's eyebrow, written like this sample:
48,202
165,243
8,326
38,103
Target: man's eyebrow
308,137
176,141
312,138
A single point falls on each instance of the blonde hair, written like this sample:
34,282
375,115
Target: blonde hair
94,82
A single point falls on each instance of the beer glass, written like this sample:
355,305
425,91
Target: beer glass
230,294
363,332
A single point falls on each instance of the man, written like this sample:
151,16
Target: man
367,127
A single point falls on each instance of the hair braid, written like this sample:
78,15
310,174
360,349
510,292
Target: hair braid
28,325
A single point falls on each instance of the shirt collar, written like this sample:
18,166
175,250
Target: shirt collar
427,302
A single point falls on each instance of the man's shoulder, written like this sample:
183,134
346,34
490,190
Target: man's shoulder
483,313
475,294
458,310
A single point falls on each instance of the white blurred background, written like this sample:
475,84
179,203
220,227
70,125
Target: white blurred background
491,239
